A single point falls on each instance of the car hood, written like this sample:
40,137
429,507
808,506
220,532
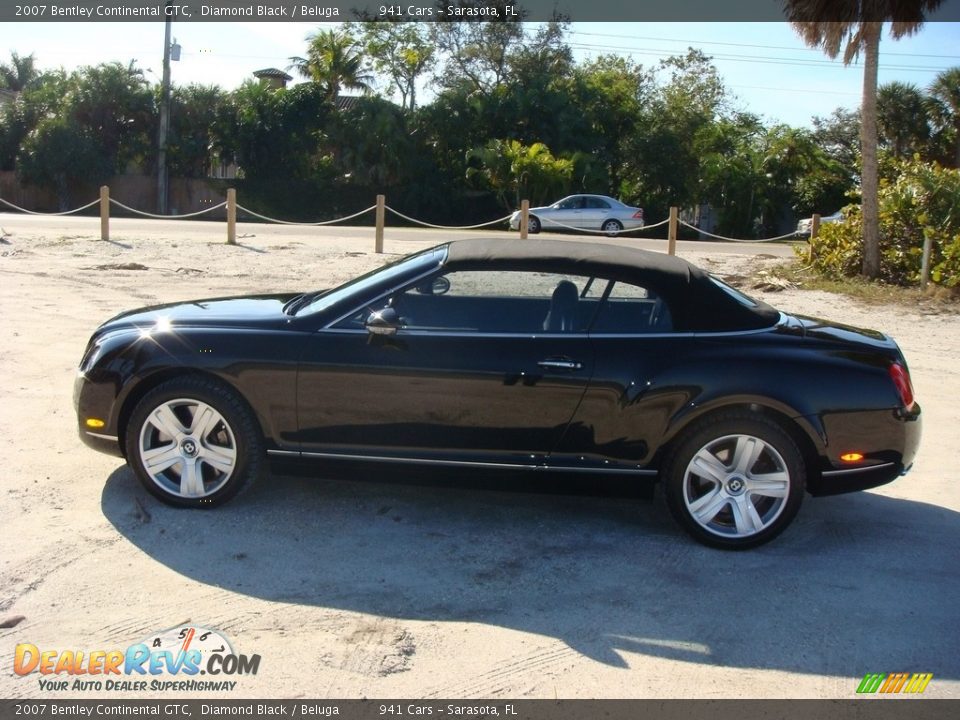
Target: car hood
253,311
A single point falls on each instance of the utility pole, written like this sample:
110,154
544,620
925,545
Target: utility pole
162,195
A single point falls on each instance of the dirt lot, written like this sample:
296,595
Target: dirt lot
352,589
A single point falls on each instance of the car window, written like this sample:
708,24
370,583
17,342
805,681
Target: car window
571,203
501,301
596,203
740,297
632,309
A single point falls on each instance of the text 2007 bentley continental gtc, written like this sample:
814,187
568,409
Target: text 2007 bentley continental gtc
546,355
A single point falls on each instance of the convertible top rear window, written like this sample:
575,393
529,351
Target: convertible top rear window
744,300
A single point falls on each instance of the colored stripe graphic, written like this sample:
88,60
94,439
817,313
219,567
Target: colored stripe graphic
870,682
918,683
889,683
894,682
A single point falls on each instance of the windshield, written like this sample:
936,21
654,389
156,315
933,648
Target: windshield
383,275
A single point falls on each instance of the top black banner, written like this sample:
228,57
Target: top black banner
314,11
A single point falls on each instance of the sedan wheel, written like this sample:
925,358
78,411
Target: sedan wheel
533,225
612,227
192,443
736,483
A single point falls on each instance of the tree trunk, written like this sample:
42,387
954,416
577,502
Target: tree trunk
868,148
956,127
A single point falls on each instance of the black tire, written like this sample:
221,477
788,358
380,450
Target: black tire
533,225
612,227
201,457
732,517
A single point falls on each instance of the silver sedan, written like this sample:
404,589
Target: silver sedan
583,212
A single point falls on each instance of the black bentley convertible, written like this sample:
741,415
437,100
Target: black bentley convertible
539,355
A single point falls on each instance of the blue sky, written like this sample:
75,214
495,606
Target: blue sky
766,65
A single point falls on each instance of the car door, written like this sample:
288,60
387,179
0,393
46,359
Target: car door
568,211
637,386
595,211
468,374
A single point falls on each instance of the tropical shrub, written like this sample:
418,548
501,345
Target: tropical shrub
921,201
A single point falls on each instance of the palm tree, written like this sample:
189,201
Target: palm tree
334,63
945,92
18,73
857,25
904,122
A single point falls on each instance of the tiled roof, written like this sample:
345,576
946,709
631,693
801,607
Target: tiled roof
272,73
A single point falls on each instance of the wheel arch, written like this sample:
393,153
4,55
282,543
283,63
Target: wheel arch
801,429
155,379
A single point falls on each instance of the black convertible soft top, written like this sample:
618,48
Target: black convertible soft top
697,304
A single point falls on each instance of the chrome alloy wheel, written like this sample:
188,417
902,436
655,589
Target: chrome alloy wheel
736,486
187,448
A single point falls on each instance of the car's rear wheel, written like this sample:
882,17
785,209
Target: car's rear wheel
735,481
192,442
533,225
612,227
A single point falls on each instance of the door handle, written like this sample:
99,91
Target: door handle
560,364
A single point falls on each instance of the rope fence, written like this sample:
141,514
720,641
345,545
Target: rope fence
167,217
257,215
673,222
52,214
399,214
556,223
739,240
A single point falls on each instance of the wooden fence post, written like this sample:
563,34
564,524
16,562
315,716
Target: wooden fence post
381,220
925,260
524,218
231,216
104,212
672,231
814,233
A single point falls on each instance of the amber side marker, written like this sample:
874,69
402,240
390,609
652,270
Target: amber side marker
852,457
95,423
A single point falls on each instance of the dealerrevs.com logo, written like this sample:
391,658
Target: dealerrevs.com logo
172,660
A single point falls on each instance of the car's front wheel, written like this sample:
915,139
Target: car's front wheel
192,442
533,225
735,481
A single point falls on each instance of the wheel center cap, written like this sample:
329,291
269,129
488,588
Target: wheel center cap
189,448
736,485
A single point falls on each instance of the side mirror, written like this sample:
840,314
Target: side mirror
383,322
440,285
437,286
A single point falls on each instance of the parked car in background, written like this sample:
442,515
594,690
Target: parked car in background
805,225
583,212
542,356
